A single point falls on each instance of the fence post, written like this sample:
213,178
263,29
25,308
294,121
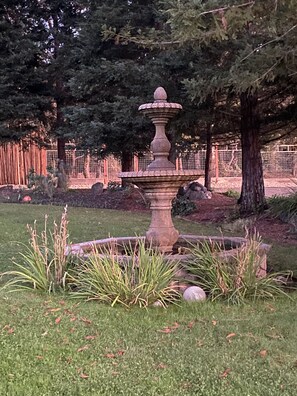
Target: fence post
177,164
105,171
135,163
217,162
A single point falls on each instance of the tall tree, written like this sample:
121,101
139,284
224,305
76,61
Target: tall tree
257,43
111,81
24,98
56,25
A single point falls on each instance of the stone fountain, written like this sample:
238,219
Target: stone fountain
160,183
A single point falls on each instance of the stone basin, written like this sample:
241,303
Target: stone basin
181,252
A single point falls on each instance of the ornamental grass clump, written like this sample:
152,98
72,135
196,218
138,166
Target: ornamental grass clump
233,277
44,265
140,277
284,208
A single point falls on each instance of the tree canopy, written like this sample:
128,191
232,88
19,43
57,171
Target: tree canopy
79,69
25,101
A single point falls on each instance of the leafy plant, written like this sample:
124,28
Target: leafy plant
182,206
142,278
232,194
233,277
44,184
44,264
284,208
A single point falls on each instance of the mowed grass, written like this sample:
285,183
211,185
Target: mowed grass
84,225
52,345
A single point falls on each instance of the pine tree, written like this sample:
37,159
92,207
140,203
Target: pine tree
25,102
110,82
257,42
56,26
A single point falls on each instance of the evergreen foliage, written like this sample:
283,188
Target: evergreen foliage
23,92
249,49
110,82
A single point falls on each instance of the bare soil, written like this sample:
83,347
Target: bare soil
220,209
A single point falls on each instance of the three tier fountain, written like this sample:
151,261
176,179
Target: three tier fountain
160,183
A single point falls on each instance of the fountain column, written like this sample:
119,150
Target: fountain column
160,181
161,233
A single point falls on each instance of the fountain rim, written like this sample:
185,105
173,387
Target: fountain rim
188,174
160,106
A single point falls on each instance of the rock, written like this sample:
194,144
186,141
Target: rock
97,188
198,195
194,293
196,191
195,186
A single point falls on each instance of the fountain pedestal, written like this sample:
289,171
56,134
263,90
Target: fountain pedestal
160,188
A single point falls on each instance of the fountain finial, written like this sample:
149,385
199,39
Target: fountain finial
160,95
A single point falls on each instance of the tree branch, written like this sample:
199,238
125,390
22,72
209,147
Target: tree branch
269,42
251,3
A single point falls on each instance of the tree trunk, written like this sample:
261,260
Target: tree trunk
208,158
87,161
61,149
252,197
127,164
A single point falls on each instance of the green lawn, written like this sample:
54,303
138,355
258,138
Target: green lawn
51,345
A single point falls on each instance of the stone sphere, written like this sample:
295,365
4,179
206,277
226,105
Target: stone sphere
157,304
194,293
27,199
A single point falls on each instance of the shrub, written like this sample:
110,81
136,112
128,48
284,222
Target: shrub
44,264
233,278
232,194
284,208
142,279
182,206
45,184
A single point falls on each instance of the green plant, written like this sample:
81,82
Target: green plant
142,278
45,184
233,277
232,194
44,263
182,206
284,208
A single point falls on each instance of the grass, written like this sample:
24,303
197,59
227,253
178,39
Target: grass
52,345
56,347
234,279
146,279
84,224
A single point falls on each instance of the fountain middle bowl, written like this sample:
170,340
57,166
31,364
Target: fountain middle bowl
176,178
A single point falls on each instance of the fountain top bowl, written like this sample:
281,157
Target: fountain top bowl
160,106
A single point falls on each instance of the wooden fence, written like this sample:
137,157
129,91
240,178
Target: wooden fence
16,160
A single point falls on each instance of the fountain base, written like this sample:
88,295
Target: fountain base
181,251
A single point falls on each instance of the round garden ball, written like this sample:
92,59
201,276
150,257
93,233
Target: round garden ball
194,293
26,198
